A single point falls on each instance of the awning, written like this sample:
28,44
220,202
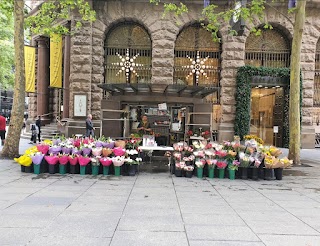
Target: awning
199,91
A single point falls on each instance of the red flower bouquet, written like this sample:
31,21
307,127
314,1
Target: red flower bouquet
73,160
119,151
52,159
221,164
83,160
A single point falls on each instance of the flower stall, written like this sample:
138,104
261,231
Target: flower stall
250,159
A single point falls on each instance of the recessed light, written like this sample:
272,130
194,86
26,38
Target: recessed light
277,86
266,87
260,86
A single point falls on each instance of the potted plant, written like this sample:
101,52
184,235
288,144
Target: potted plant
105,162
63,160
36,160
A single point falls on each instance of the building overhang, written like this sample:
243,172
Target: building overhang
199,91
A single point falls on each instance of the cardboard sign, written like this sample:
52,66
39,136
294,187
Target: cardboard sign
162,106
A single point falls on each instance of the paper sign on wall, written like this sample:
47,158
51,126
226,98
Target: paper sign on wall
162,106
275,129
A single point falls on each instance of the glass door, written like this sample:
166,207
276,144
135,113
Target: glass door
267,112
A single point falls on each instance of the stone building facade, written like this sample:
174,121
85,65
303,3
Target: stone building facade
85,58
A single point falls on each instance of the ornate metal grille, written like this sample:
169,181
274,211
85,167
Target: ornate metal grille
133,38
270,49
316,97
194,46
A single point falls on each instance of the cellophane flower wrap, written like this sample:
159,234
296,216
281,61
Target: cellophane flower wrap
244,159
119,151
221,164
118,161
106,152
52,159
180,165
76,151
63,159
95,161
188,168
98,144
86,149
66,149
105,161
43,148
97,151
73,159
109,143
211,162
83,160
55,150
234,165
24,160
200,163
37,158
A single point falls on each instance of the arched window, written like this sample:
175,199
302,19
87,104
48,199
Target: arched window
197,57
128,54
269,49
316,97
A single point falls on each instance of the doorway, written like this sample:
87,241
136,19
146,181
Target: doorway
267,104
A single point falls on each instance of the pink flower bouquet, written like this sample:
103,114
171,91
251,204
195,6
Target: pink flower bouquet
73,160
119,151
52,159
200,163
43,148
83,160
63,159
106,161
211,162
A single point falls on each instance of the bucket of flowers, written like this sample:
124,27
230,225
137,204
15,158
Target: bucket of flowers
232,167
63,160
133,162
36,160
200,162
106,163
244,164
86,149
278,169
73,161
43,148
83,162
221,165
97,151
52,161
211,165
117,162
179,168
189,171
95,163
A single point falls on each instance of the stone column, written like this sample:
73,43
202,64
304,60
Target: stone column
43,78
66,76
233,53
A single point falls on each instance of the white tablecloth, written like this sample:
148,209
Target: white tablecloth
148,148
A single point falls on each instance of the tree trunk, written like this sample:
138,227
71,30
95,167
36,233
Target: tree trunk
294,105
11,146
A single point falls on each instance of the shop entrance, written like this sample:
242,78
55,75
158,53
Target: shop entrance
267,107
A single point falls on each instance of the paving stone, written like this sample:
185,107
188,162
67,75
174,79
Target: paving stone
290,240
17,236
147,238
212,219
224,243
65,240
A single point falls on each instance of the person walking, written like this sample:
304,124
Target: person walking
38,124
2,129
89,126
34,132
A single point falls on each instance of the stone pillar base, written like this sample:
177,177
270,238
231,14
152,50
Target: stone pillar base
307,137
226,132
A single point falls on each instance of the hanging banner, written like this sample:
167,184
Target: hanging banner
30,66
56,60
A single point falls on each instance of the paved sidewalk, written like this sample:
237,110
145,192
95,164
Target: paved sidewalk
156,209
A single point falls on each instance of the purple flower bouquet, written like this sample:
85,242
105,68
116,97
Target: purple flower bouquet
37,158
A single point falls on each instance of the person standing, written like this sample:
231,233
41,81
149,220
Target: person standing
144,126
89,126
38,124
2,129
